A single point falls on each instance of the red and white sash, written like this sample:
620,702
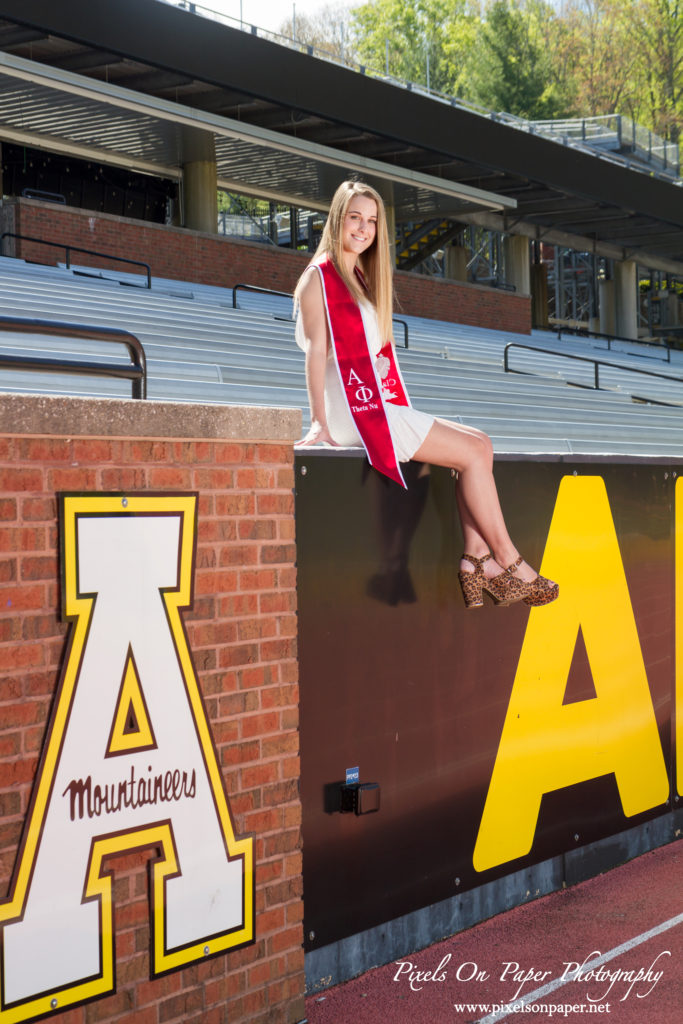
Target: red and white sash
365,393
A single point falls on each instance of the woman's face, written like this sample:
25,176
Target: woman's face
360,225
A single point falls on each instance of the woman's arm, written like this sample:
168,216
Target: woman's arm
314,324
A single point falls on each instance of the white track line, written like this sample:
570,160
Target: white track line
539,993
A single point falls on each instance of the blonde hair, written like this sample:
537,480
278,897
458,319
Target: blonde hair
375,263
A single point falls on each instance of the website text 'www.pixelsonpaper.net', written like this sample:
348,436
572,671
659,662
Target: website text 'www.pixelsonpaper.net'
544,1010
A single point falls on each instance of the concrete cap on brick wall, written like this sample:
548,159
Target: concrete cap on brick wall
121,417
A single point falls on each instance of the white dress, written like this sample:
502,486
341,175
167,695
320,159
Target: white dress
409,427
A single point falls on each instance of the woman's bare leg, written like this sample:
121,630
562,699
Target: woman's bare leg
469,451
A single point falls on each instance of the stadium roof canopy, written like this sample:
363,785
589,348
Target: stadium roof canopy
50,108
118,81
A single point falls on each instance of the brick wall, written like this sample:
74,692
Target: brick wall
210,259
462,303
241,630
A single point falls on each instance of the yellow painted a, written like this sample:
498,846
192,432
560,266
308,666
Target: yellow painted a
546,745
678,710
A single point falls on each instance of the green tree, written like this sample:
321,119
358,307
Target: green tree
660,29
532,58
553,32
412,39
510,68
605,47
460,33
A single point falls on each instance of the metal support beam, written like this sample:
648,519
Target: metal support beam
581,243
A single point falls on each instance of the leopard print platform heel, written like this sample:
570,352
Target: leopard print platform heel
503,589
472,583
540,591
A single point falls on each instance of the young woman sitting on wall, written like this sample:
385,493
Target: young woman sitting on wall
357,396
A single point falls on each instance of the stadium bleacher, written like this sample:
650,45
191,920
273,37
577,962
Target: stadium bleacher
200,349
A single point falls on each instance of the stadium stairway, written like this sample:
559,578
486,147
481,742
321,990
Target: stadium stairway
200,349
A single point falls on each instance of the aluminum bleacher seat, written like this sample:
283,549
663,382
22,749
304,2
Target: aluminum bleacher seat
200,349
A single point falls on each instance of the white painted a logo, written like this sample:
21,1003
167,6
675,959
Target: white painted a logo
128,764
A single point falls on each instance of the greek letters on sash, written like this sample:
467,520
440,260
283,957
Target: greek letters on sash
361,384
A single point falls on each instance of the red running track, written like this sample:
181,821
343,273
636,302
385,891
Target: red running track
629,922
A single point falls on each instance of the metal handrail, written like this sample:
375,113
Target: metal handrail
597,363
75,248
48,197
256,288
581,332
404,325
288,295
136,372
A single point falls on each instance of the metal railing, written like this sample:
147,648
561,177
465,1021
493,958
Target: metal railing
48,197
288,295
256,288
579,332
597,363
136,371
68,249
614,132
235,225
404,325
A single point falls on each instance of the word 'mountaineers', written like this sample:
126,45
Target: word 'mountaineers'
129,793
